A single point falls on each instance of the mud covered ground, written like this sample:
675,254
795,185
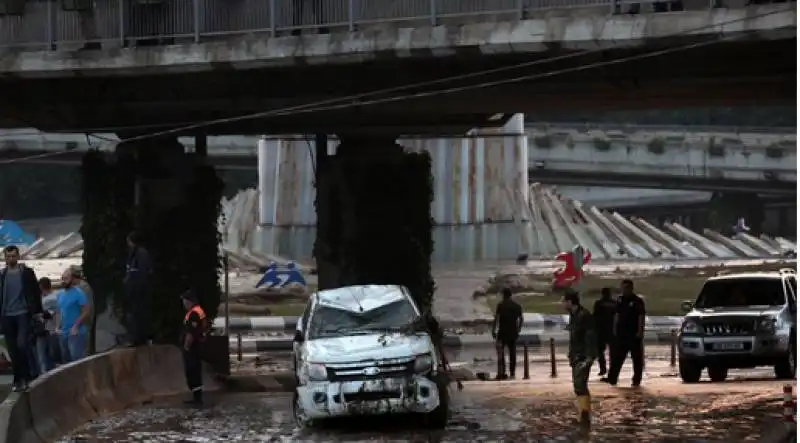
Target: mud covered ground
539,410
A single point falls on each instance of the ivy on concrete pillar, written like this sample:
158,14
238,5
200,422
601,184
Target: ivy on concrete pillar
107,204
373,217
173,201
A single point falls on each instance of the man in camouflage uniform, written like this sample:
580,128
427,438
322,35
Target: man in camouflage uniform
582,352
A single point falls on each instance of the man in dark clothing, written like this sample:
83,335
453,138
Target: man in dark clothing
628,335
194,335
603,314
505,331
138,272
19,302
581,354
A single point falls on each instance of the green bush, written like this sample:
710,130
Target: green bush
715,149
774,151
601,144
656,145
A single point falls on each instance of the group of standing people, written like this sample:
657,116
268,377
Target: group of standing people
42,327
45,326
616,325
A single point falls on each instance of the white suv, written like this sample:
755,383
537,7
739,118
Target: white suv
740,321
364,350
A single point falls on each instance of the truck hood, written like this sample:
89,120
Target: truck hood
745,311
366,347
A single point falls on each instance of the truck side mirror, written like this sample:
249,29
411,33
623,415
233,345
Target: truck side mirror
687,306
298,336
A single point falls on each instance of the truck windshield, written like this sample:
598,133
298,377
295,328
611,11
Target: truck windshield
332,322
741,292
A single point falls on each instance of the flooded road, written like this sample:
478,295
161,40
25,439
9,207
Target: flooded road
536,410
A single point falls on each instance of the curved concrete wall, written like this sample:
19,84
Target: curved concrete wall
102,384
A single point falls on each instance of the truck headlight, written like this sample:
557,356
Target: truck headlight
423,364
690,326
767,324
315,372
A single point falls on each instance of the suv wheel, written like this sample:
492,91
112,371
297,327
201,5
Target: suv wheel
787,367
689,371
717,373
300,419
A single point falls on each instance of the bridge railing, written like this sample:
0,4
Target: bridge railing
71,24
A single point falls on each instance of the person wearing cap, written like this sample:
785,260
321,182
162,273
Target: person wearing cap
194,334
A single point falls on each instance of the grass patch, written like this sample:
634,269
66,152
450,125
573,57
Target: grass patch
286,309
663,292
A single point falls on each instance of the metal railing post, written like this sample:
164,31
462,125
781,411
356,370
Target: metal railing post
121,18
553,369
351,19
272,19
526,374
50,30
433,12
225,269
196,19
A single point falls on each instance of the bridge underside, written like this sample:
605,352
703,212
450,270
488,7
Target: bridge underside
741,72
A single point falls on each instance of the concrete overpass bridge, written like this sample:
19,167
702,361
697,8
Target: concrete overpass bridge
156,65
665,159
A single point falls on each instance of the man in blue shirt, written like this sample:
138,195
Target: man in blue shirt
19,302
73,310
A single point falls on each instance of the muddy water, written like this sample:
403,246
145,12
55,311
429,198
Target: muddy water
664,410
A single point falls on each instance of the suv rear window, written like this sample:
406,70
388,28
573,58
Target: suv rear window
739,292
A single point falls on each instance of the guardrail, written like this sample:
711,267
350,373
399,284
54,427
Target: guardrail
49,24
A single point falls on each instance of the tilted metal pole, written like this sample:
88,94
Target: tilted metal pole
227,294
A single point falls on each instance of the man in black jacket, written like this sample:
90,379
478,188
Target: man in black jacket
19,302
138,272
604,310
508,320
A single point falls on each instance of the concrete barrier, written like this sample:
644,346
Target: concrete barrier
76,393
287,325
249,345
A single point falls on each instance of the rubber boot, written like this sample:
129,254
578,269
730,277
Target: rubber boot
585,414
196,400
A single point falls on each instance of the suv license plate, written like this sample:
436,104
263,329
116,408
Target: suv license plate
728,346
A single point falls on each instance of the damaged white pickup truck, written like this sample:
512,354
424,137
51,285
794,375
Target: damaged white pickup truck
364,350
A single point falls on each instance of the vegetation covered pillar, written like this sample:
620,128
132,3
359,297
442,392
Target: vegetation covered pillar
172,199
373,217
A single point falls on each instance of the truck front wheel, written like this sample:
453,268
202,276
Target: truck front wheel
689,371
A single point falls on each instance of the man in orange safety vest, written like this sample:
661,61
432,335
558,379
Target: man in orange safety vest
194,334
